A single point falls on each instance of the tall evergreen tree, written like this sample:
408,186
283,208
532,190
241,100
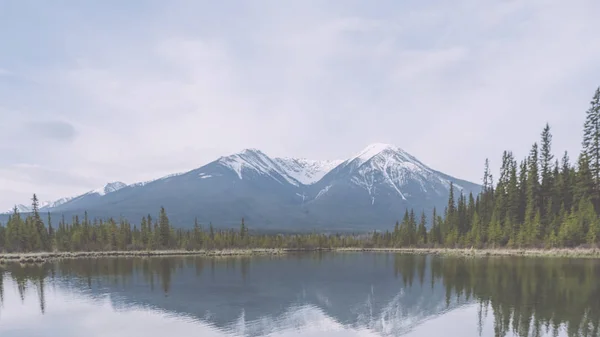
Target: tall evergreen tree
546,161
41,240
591,139
566,174
164,228
422,230
584,184
50,232
532,225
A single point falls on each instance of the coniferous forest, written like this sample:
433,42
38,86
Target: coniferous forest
541,201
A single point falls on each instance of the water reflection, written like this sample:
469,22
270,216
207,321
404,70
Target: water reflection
311,294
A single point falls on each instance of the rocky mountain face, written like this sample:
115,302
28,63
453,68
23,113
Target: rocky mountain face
370,190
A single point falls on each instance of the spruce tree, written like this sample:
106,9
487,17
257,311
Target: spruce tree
164,228
584,180
532,225
450,221
243,230
546,161
412,228
513,200
197,234
566,174
422,230
591,140
144,237
50,232
487,194
522,192
475,236
435,231
41,240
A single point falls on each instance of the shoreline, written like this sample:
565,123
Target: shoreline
41,257
472,252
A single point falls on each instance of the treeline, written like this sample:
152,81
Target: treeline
32,234
538,202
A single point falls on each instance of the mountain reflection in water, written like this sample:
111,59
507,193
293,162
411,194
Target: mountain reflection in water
320,294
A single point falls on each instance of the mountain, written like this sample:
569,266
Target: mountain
52,205
370,190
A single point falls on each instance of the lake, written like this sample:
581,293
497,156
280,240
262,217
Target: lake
313,294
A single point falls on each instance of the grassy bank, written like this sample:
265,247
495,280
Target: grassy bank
43,257
47,256
556,252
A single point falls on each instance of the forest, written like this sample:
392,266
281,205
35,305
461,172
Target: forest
539,202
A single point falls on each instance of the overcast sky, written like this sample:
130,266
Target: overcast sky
99,91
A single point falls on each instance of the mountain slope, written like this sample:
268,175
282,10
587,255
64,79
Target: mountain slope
383,181
370,190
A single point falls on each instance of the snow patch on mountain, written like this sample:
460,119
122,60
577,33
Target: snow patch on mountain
306,171
59,202
323,191
20,208
293,170
257,161
206,175
109,188
143,183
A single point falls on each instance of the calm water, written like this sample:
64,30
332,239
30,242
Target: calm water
352,294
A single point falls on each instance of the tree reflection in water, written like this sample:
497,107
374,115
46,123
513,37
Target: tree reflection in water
526,296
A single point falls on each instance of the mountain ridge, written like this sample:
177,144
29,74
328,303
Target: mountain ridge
370,188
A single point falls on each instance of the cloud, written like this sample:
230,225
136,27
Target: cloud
52,130
176,85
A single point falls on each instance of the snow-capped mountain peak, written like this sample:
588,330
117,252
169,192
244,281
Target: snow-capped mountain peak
29,208
295,171
109,188
385,167
373,150
254,160
20,208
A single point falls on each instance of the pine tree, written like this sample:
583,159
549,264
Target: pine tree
591,140
41,240
566,174
513,199
50,232
533,197
144,237
197,234
584,188
546,161
422,230
435,231
243,230
487,194
396,234
522,192
450,221
405,229
475,235
412,228
164,228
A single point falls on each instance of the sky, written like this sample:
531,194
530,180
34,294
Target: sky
100,91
